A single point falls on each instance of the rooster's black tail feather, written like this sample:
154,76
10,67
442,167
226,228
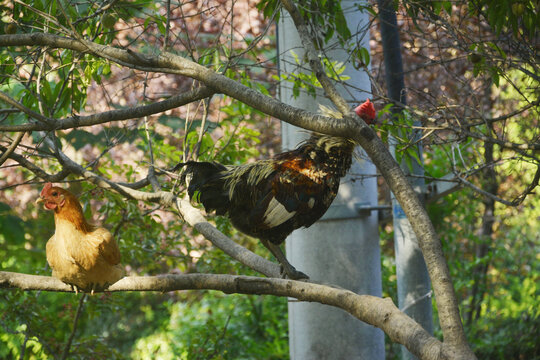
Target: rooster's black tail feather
206,182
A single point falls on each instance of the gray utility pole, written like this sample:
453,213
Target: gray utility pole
414,287
343,247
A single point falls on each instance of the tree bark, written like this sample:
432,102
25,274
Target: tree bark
378,312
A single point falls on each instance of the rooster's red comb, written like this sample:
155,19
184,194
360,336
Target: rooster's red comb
366,111
46,189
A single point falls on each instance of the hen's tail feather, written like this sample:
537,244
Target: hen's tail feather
206,182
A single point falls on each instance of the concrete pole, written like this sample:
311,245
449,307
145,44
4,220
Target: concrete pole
343,247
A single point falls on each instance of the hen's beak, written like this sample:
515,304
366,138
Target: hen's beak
39,200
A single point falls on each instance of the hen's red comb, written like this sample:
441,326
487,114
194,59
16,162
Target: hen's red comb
366,111
46,189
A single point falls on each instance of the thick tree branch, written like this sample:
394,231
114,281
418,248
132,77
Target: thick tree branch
193,217
429,242
174,64
370,309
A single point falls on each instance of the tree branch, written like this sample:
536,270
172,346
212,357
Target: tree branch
174,64
378,312
194,218
36,169
113,115
8,100
75,322
11,148
429,242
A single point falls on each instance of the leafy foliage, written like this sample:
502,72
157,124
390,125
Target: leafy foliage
63,83
308,81
245,328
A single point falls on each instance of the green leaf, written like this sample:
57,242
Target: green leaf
364,56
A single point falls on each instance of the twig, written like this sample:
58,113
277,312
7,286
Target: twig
416,301
483,192
151,170
530,188
75,321
7,99
36,169
11,147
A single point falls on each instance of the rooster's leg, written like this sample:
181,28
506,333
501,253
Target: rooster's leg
286,267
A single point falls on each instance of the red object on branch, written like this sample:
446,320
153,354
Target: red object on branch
366,111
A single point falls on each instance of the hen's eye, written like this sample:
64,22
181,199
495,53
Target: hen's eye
54,193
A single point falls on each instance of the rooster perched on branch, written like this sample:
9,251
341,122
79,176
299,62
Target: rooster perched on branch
81,255
268,199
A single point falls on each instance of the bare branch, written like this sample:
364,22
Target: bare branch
370,309
8,100
514,202
75,322
483,192
193,217
501,143
115,115
36,169
11,147
505,116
